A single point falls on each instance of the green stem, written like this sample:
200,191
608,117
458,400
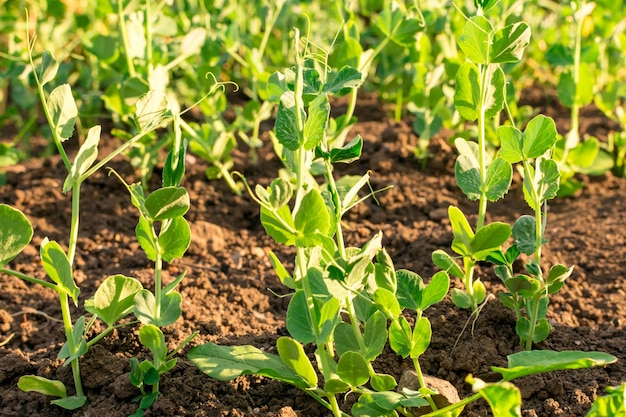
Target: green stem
469,266
422,382
28,278
482,151
528,344
574,136
335,405
148,34
69,335
443,411
124,35
71,252
108,330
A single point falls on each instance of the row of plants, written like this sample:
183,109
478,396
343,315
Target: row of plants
407,52
347,303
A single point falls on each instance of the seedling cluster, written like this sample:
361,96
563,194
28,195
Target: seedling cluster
459,70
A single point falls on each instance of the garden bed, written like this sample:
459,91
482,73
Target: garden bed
229,293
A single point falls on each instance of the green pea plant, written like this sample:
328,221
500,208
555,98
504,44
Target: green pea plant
528,294
114,298
479,96
346,303
164,235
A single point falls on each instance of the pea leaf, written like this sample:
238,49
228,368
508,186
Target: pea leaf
445,262
292,354
346,77
504,398
152,337
498,181
226,363
545,182
167,203
286,126
375,335
114,298
312,217
298,319
467,91
174,239
63,111
525,234
436,290
396,26
58,268
489,238
145,237
353,369
511,144
539,136
476,39
421,337
279,224
85,157
410,288
315,125
47,70
509,43
152,110
33,383
462,231
537,361
15,233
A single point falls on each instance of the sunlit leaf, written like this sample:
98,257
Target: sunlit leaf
15,233
63,111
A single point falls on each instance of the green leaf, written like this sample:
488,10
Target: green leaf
539,136
346,77
33,383
345,340
315,125
175,239
298,320
292,354
584,154
145,237
167,203
226,363
400,337
494,92
170,308
436,290
499,176
63,111
410,288
511,144
462,231
152,110
467,174
85,157
387,302
152,337
489,238
279,224
542,329
58,268
525,234
545,182
504,398
174,167
537,361
467,91
280,192
353,368
114,298
286,127
47,70
375,335
447,263
312,217
348,153
383,382
396,26
70,403
460,298
144,307
509,43
420,340
475,40
15,233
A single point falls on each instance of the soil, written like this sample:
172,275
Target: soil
229,293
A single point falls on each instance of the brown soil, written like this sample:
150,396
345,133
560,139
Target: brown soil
228,292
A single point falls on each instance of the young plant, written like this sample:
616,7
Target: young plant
479,96
164,235
528,294
113,299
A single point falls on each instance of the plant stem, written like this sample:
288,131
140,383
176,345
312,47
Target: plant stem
422,382
573,137
71,251
28,278
148,34
69,335
482,163
124,35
